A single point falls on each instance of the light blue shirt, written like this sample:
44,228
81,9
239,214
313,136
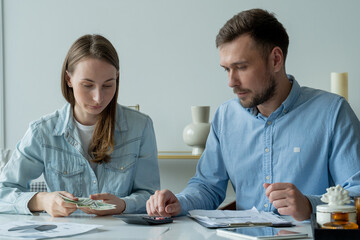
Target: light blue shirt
312,141
52,146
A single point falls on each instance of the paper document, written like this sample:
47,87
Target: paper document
40,230
229,218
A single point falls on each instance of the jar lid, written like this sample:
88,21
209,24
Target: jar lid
342,208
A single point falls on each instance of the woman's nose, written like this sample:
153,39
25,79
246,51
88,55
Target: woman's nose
98,96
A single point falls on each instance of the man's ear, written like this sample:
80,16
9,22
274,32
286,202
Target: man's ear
276,59
68,79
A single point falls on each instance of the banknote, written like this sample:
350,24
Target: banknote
89,203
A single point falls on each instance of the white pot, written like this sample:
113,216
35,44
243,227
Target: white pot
196,133
323,212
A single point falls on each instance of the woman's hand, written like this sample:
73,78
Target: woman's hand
106,198
52,203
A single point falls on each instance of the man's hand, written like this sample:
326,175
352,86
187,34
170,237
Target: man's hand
288,200
52,203
106,198
163,203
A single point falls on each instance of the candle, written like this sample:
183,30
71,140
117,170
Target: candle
339,84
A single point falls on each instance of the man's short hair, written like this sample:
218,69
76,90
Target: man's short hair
262,26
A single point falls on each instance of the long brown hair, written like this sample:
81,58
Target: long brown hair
97,47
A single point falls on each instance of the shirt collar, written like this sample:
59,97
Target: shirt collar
121,121
66,120
293,95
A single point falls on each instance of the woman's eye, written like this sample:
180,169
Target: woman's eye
87,86
107,86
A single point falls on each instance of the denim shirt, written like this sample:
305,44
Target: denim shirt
52,146
312,141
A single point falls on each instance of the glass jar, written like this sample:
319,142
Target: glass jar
340,220
357,206
323,212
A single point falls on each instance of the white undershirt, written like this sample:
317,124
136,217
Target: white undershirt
86,133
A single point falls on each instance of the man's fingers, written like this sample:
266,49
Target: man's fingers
163,203
276,188
280,186
280,203
284,211
266,186
161,200
172,208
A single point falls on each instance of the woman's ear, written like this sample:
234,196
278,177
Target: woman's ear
68,79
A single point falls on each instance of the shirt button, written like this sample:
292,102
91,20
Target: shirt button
65,172
267,150
285,111
265,205
94,182
269,123
267,177
122,168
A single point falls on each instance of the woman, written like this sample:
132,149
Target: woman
92,147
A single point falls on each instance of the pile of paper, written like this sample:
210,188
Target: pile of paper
40,230
228,218
89,203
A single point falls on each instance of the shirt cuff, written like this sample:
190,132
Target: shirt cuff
22,202
133,206
183,204
129,205
314,201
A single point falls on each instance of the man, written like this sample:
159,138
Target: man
281,145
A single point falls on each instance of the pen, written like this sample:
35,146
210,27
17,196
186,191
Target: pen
250,224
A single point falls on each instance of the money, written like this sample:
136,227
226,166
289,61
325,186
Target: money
89,203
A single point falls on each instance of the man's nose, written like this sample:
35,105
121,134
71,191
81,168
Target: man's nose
233,79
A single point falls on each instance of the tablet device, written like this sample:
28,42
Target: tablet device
260,233
144,220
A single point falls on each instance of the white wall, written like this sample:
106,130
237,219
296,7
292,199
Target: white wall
167,52
2,97
167,55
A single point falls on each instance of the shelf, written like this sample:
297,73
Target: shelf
177,155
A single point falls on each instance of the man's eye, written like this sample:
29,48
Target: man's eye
226,69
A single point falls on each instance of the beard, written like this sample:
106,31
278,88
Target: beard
258,98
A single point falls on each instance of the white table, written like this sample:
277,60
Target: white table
113,228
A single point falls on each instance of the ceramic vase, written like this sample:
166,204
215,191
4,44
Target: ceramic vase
196,133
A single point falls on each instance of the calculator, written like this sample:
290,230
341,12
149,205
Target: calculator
144,219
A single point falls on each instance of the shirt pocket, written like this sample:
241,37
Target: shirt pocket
120,174
66,174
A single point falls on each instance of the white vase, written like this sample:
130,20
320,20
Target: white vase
196,133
